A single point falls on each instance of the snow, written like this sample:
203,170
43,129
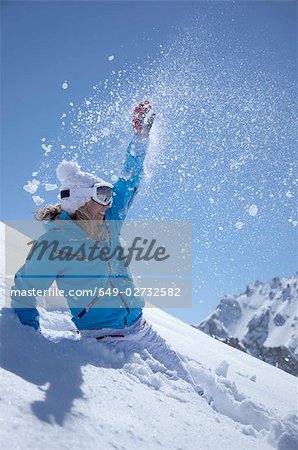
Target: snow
50,187
37,200
273,305
59,390
289,194
239,225
78,393
65,85
105,132
47,148
222,369
31,186
253,210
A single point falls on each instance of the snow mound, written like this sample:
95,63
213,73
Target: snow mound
65,389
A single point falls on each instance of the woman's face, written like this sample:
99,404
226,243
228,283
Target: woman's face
96,210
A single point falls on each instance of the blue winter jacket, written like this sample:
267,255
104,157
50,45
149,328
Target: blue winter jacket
92,310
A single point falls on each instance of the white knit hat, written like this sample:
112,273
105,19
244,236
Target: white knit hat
71,177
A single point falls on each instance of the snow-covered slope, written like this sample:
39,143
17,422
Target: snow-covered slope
262,321
60,391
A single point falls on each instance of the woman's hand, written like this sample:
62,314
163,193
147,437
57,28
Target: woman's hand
142,119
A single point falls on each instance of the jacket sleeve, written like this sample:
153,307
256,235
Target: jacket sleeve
36,274
128,184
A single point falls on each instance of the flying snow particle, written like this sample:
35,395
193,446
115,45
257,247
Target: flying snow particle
211,200
114,178
50,187
65,85
31,186
47,148
105,132
239,225
111,57
34,174
37,200
253,210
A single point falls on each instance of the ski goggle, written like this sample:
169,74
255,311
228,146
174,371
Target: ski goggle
101,193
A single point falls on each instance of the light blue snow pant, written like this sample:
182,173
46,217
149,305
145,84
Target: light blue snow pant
139,337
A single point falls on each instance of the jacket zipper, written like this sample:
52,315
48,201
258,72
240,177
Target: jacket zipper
121,298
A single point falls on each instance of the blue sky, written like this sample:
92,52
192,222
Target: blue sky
222,78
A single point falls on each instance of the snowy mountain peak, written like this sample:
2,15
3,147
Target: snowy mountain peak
261,321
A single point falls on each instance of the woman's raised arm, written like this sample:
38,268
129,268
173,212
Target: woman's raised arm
128,184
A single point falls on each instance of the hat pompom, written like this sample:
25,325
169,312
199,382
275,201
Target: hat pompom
67,169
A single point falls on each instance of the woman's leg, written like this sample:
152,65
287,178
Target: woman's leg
141,336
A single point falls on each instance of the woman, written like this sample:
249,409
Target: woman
90,215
